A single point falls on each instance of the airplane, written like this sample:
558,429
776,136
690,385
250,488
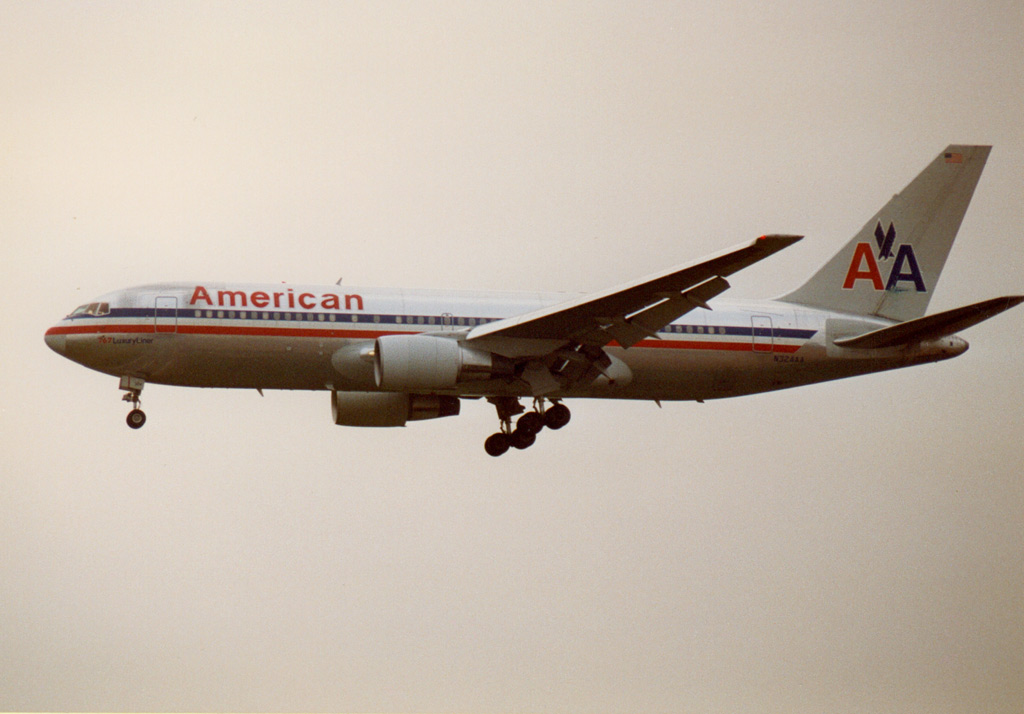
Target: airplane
391,356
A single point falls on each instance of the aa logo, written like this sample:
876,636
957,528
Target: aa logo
904,268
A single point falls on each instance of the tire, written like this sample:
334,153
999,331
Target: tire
136,418
497,444
557,416
522,439
531,422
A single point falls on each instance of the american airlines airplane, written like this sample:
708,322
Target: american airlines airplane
389,356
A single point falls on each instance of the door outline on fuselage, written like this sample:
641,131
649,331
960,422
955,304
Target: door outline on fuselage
762,334
165,314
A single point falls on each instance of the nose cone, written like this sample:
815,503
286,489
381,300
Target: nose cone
56,342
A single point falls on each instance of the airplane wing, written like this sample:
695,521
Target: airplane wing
634,311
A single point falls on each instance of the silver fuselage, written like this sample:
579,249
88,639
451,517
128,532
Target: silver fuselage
284,337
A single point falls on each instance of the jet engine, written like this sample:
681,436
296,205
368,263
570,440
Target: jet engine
427,362
389,408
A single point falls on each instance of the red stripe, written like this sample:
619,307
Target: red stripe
725,346
283,332
372,334
97,329
220,330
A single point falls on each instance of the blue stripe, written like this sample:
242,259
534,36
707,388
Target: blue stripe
142,313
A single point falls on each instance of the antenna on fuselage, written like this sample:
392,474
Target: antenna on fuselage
339,282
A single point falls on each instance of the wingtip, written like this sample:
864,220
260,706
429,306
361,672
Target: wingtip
780,240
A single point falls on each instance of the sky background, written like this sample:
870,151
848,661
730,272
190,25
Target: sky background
854,546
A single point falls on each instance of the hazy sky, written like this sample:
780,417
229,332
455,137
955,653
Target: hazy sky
855,546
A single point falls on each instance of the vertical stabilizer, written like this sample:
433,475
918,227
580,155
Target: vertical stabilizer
891,267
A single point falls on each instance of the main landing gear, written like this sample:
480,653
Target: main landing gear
133,386
527,426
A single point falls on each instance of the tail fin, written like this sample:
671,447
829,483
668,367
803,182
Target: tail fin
890,268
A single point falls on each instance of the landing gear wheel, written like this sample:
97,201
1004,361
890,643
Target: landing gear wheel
136,418
531,422
557,416
522,439
497,444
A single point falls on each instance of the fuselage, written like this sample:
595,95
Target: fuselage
307,337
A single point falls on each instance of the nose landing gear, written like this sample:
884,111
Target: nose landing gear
136,418
527,426
133,386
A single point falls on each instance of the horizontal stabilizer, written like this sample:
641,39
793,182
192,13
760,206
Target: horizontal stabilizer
932,327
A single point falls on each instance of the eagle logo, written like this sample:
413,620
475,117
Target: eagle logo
885,240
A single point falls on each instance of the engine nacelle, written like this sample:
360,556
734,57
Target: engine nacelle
389,408
425,362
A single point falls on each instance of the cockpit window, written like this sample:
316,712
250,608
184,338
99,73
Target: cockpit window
93,308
